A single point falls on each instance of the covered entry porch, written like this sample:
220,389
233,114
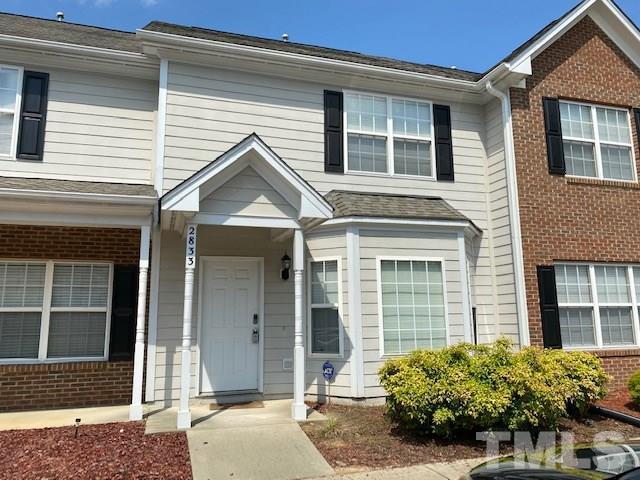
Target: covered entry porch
232,263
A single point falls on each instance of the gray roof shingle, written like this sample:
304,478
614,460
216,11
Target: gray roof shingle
71,33
356,204
311,50
74,186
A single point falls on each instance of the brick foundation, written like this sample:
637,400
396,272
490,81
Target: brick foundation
64,385
575,219
73,384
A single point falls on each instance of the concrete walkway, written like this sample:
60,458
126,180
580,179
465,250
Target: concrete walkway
63,418
245,444
433,471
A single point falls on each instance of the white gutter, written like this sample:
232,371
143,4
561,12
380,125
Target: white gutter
79,50
161,126
25,194
298,59
514,214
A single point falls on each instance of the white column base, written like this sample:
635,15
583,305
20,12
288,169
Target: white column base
184,413
184,419
135,412
299,408
298,412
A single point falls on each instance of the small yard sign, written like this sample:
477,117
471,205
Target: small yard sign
328,372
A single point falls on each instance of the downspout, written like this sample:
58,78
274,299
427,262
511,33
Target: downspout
514,213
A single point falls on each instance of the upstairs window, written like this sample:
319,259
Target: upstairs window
389,135
10,81
597,141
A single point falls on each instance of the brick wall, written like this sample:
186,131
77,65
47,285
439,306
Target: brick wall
571,219
74,384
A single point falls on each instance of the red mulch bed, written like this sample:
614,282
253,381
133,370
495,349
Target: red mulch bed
620,401
113,451
363,438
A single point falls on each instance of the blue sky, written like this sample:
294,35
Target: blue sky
470,34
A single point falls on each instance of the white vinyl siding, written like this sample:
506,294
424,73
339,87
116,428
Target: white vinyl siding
412,296
99,128
388,135
598,306
597,141
324,318
51,310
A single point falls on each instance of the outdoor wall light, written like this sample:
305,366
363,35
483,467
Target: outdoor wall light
285,261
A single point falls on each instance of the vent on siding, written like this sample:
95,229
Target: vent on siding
287,364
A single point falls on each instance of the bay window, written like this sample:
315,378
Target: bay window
598,305
54,310
324,318
412,305
389,135
597,141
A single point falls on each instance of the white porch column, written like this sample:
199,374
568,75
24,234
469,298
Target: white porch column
184,414
135,410
298,409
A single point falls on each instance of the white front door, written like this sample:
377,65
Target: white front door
230,330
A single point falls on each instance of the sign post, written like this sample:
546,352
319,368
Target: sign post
328,372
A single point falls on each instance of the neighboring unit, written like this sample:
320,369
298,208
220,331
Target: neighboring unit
191,215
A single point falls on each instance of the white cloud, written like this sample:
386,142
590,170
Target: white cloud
103,3
149,3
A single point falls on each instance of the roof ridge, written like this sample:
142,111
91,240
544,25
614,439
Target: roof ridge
83,25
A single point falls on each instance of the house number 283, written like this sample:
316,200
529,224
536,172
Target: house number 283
191,246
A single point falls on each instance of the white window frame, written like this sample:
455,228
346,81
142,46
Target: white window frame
390,137
596,142
595,305
46,310
311,306
16,114
397,258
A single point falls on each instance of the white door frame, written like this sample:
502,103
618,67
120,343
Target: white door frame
203,260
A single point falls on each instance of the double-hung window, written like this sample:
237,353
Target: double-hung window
10,84
597,141
598,305
389,135
324,319
412,305
54,310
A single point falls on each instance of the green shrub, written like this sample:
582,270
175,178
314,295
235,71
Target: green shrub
634,387
470,388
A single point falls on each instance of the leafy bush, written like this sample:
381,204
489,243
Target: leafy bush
483,387
634,387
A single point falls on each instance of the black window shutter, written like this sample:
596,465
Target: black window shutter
443,142
123,312
553,131
333,141
33,115
549,307
636,115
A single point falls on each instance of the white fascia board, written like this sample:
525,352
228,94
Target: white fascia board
25,194
454,225
83,51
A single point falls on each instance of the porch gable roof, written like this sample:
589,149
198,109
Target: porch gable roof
253,152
